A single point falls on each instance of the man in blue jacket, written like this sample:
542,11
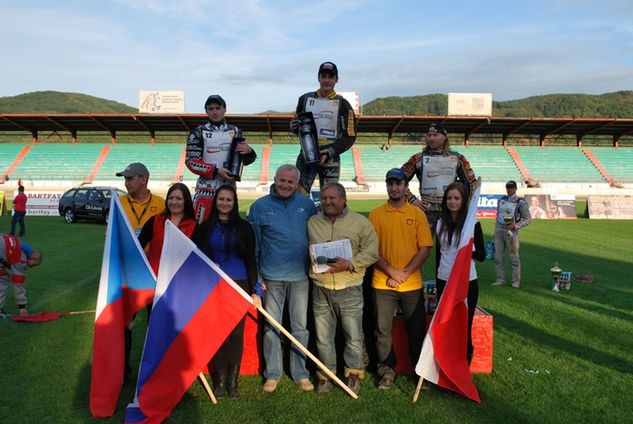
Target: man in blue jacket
280,223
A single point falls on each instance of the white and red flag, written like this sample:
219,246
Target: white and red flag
443,358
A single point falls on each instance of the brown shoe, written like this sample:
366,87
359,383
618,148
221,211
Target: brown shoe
353,382
305,385
324,386
270,386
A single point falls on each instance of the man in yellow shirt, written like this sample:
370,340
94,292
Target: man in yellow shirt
404,243
139,205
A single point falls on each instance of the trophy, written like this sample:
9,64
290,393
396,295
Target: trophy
556,271
235,162
308,138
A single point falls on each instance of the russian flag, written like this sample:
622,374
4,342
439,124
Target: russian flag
196,307
126,286
443,357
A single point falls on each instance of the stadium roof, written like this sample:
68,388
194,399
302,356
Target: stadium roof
275,123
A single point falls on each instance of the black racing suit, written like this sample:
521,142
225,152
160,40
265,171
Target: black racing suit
208,148
335,121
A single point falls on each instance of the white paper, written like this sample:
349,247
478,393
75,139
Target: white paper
330,250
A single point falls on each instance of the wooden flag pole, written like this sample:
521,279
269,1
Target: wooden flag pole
205,384
417,390
299,346
81,312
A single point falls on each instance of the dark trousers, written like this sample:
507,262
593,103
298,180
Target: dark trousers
329,172
18,217
412,304
473,296
230,353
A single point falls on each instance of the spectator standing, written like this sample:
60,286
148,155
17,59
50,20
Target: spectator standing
279,220
404,243
229,241
448,231
516,210
19,211
338,293
139,205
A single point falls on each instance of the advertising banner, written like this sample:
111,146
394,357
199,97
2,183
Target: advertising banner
544,206
487,207
610,207
42,203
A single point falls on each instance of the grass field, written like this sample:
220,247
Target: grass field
558,357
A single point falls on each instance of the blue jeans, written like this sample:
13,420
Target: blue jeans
347,305
276,294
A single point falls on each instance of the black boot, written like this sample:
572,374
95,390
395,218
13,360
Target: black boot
234,374
219,382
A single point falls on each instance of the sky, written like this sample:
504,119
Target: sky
262,55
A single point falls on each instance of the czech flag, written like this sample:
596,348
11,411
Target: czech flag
196,307
443,357
126,286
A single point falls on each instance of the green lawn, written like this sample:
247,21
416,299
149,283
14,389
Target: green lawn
558,357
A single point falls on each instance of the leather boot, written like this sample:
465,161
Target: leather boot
234,374
219,383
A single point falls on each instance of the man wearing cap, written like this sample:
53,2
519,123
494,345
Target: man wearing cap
517,212
404,243
15,257
436,166
139,203
208,149
335,122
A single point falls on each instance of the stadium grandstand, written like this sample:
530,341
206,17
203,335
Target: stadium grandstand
488,143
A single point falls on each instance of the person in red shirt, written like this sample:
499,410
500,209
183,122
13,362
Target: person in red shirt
19,210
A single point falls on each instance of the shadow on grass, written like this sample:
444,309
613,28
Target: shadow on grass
599,358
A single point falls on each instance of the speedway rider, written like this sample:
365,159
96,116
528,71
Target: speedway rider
208,149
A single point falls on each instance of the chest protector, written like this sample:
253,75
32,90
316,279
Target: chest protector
506,208
325,112
217,145
437,173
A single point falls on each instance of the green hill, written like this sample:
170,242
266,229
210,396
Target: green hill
58,102
609,105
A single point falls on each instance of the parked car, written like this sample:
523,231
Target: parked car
87,203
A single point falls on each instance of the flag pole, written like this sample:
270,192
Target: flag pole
299,346
417,390
205,384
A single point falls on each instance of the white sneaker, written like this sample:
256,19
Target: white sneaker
498,283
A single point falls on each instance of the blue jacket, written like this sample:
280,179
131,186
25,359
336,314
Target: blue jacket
282,237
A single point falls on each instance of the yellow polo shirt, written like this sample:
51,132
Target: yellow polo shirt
139,212
401,234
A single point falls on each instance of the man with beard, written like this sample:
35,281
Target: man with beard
404,243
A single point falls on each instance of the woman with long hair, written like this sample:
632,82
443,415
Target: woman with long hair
448,230
229,241
179,210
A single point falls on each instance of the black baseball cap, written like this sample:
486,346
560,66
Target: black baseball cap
511,184
328,67
437,128
215,98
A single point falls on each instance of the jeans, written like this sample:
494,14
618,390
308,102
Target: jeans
18,217
276,294
347,305
503,242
